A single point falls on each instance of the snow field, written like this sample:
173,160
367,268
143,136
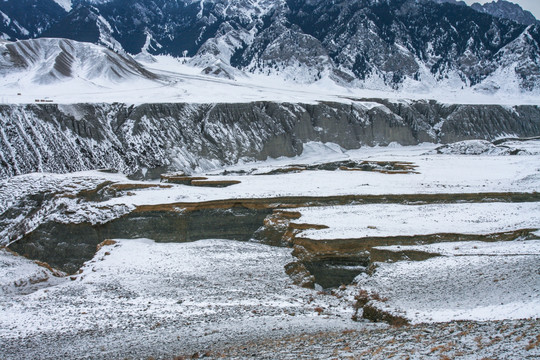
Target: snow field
139,298
464,286
438,174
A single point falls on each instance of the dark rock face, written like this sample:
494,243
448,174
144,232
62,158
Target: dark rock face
150,139
28,18
66,243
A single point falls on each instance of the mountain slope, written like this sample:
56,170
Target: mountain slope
24,19
65,4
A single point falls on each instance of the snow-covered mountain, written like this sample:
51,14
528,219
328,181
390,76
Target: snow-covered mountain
65,4
411,45
46,61
507,10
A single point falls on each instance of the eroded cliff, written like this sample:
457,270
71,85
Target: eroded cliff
149,139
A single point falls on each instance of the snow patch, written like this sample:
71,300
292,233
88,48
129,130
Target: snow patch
65,4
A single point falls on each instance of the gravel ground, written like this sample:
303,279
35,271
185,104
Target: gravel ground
517,339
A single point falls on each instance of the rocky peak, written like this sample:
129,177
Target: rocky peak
507,10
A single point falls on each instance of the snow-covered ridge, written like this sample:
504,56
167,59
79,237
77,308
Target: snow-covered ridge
305,42
507,10
67,71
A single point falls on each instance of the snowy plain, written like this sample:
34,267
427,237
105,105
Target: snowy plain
171,297
394,219
436,174
483,287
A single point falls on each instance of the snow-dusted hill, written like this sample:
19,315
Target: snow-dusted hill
48,61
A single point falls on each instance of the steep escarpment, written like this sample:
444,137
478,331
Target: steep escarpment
149,139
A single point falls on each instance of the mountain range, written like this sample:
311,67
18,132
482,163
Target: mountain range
380,44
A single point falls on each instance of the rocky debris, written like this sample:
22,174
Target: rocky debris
385,167
275,228
182,179
215,183
371,312
300,275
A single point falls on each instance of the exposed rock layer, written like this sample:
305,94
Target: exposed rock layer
67,246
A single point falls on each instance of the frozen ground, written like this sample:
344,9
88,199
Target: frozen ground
20,276
137,298
437,174
434,174
457,340
184,83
